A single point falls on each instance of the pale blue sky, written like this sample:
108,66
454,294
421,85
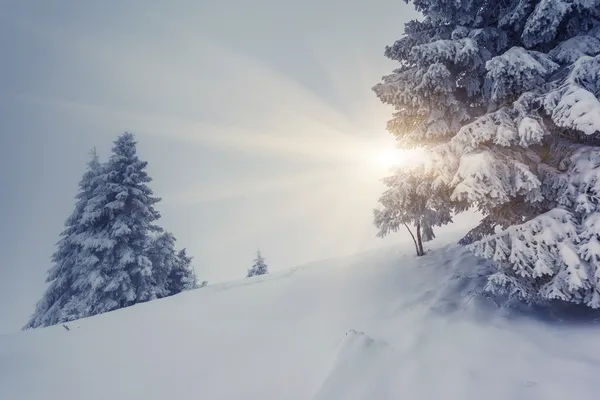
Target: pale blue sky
256,117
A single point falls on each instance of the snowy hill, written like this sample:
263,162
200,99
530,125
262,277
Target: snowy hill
381,325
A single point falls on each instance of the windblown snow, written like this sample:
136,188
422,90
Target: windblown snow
381,325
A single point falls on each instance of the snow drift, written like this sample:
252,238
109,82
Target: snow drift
381,325
362,369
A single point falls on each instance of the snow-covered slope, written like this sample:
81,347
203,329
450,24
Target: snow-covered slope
381,325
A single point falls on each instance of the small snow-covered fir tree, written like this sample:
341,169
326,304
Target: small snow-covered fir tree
182,276
259,267
173,271
507,99
162,255
49,310
114,270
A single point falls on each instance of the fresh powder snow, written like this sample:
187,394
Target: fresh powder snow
379,325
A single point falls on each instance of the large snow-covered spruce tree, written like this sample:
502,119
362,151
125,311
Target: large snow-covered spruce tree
115,271
112,254
259,267
65,260
505,95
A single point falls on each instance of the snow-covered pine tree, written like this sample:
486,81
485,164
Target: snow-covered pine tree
173,271
435,90
506,96
412,199
182,276
162,255
114,270
259,267
60,276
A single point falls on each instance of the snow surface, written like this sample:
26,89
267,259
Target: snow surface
380,325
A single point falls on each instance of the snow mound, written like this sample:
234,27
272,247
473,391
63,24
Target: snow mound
296,335
361,369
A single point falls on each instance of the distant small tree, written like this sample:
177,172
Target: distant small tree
259,267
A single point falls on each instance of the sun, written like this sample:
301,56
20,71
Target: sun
388,158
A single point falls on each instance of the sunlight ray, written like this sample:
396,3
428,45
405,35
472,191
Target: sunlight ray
301,124
256,186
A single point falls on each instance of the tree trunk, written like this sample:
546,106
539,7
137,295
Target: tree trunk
414,240
420,251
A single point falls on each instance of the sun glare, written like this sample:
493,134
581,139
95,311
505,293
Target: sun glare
389,158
